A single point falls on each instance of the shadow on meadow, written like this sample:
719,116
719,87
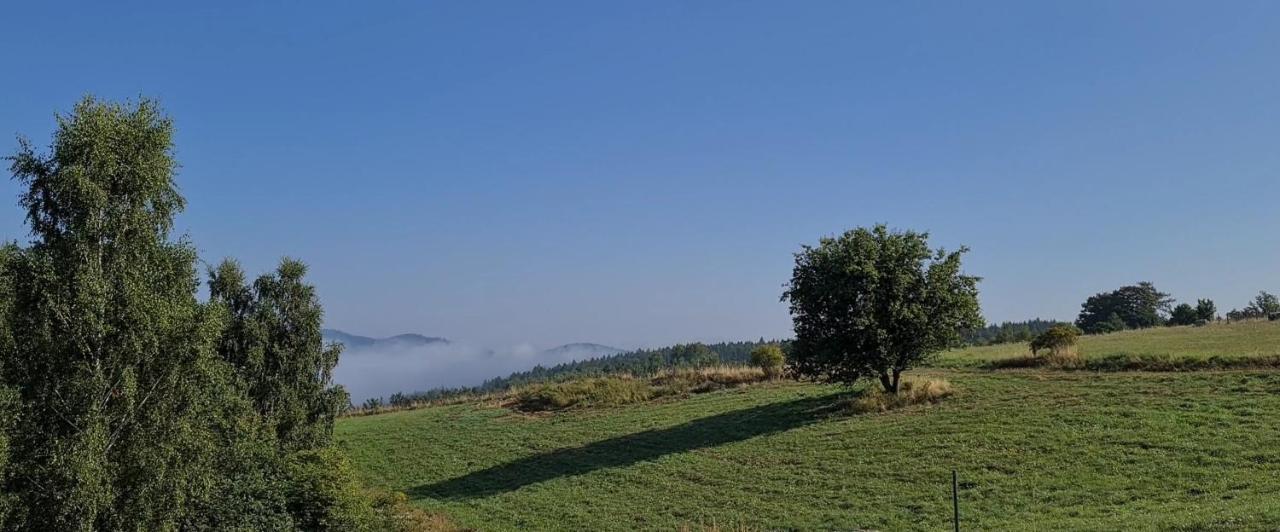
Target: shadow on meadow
626,450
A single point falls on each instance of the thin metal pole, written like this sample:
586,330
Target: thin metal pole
955,498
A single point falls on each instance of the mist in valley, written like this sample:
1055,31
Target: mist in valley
372,367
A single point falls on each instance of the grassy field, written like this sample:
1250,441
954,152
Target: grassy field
1248,339
1036,450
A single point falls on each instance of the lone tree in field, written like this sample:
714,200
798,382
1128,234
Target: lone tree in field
875,303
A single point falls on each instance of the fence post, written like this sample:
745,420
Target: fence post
955,499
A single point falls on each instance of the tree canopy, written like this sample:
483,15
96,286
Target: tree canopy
874,303
1130,307
126,403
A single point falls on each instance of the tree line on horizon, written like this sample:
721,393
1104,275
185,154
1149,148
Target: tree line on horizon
639,362
1142,306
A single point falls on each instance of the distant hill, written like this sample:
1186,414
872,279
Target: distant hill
355,342
579,351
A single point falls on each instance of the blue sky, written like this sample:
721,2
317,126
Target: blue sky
639,173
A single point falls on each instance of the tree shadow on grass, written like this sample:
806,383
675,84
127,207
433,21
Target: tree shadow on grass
626,450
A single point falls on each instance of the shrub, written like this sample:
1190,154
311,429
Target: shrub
769,358
323,493
1059,340
911,392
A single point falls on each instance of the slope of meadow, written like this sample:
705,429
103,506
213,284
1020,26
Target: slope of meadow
1036,450
1227,340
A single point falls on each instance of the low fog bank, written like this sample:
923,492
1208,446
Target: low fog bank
384,368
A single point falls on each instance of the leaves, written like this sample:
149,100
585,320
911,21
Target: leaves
875,303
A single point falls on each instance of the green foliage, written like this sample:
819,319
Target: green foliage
128,404
1203,312
769,358
1008,332
273,340
692,355
1265,305
1183,314
1135,307
874,303
112,357
1057,339
323,493
1206,311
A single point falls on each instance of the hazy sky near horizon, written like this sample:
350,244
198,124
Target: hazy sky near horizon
639,173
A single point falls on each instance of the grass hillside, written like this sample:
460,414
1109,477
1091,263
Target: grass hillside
1234,340
1036,450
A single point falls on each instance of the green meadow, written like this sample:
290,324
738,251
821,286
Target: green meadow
1035,449
1243,340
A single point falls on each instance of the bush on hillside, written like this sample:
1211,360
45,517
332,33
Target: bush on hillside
1059,340
323,493
769,358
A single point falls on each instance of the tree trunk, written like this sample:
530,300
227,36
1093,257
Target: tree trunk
896,373
890,383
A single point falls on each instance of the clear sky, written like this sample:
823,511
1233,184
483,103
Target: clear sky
639,173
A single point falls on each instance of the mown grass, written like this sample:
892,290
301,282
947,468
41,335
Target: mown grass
1219,345
1036,450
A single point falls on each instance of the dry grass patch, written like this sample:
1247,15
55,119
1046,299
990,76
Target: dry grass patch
597,391
910,392
626,389
699,380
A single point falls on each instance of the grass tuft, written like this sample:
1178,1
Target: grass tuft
699,380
